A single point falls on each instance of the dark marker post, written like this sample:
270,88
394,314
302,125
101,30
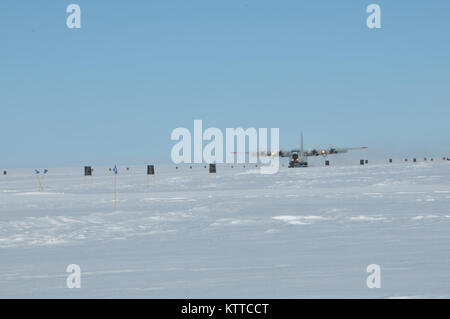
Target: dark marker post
150,171
212,169
87,172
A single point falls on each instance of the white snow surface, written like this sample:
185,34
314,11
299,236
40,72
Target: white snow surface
301,233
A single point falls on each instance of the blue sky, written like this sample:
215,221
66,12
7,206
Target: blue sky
113,91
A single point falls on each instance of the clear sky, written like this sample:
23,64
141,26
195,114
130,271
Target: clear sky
113,91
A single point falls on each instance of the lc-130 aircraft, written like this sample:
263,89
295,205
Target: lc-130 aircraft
299,157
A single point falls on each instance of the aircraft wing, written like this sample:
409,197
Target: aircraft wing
346,149
312,152
268,153
331,150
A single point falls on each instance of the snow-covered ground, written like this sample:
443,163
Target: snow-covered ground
301,233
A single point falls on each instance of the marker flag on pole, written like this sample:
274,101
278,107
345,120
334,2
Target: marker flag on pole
45,171
115,186
41,188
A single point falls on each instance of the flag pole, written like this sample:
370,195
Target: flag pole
39,181
42,179
115,187
41,188
115,191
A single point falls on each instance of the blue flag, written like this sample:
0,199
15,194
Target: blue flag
37,172
115,169
45,171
